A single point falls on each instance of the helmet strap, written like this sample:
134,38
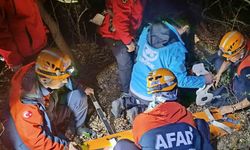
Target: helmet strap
245,54
44,80
162,97
242,56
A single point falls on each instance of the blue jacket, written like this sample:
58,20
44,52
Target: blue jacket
171,136
170,55
170,126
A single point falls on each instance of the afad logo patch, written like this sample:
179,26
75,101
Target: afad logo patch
27,114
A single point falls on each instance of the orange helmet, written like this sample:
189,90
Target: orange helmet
232,43
54,64
161,80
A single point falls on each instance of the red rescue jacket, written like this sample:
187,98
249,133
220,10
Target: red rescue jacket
246,61
165,113
125,16
31,120
22,33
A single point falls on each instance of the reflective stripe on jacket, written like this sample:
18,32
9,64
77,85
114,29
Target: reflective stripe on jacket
246,61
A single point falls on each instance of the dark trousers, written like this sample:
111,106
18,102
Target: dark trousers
125,61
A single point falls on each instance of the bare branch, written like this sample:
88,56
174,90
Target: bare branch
236,16
79,18
247,1
206,9
240,22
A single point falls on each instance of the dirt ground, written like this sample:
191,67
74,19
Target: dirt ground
99,70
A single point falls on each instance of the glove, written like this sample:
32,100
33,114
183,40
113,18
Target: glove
70,134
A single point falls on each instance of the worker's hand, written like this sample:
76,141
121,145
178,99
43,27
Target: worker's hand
217,79
74,146
183,29
69,134
89,91
209,78
131,47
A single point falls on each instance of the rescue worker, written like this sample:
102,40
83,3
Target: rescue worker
43,96
234,55
122,19
160,46
166,124
22,33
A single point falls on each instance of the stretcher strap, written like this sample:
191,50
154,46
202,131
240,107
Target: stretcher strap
222,126
209,115
231,120
216,123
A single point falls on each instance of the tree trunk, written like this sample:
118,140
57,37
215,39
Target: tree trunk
54,30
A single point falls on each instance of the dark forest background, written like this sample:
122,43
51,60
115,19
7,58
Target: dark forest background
225,15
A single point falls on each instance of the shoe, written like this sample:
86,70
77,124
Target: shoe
131,114
118,107
86,132
124,94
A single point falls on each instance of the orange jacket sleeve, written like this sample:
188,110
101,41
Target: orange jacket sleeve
30,124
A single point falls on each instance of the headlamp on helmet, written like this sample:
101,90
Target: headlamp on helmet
54,64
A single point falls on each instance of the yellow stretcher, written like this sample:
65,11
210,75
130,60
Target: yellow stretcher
219,126
107,141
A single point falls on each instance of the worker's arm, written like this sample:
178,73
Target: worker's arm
231,108
81,85
175,61
35,132
225,65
